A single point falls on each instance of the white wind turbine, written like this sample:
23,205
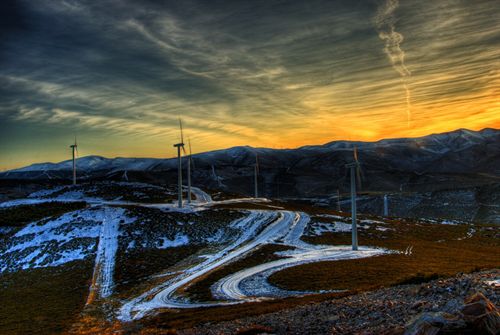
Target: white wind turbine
74,151
355,175
256,175
179,146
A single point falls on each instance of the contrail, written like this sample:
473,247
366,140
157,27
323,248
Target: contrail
384,22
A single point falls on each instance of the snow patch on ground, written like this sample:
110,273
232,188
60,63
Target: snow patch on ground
106,250
371,221
6,230
495,283
53,242
470,232
330,216
217,237
179,240
319,228
449,222
46,192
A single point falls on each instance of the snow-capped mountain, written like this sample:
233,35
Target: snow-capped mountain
453,159
94,163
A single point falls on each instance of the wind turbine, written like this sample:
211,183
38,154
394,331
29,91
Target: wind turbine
386,205
190,162
74,151
355,174
338,200
179,165
256,174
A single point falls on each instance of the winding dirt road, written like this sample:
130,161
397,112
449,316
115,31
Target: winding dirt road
260,227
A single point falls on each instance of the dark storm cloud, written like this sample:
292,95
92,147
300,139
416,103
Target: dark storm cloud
93,55
239,72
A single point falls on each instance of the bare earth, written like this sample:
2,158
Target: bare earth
385,311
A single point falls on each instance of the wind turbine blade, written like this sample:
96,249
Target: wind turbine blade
355,152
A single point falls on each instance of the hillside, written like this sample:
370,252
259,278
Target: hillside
121,257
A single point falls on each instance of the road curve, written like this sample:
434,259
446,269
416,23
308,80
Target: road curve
282,227
201,196
163,294
230,287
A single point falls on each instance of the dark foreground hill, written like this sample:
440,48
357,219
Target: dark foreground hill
445,306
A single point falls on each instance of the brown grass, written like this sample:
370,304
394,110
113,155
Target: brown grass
134,268
436,252
43,300
24,214
182,319
46,301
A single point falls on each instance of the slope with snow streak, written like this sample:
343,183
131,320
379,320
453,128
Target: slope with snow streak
102,282
51,242
299,224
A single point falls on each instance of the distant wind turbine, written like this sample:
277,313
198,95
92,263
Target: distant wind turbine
355,175
386,205
338,200
256,175
179,146
74,151
189,164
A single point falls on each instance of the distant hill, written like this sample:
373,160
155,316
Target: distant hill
459,168
392,164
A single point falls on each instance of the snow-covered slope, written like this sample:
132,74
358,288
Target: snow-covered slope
94,163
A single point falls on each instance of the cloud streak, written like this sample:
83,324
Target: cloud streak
273,73
385,22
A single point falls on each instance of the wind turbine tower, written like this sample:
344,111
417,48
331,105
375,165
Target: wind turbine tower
189,163
338,201
355,174
386,205
74,151
179,146
256,175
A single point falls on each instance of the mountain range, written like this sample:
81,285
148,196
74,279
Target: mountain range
459,168
401,161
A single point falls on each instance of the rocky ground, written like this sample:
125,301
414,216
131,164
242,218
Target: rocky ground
455,305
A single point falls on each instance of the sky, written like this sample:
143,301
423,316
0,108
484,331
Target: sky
118,74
